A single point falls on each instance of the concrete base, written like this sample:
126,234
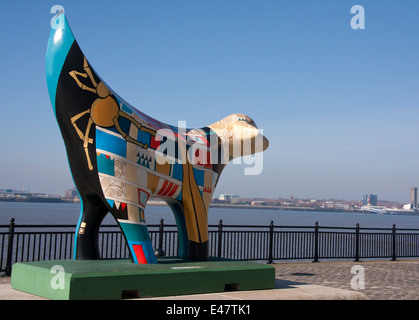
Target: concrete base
117,279
284,290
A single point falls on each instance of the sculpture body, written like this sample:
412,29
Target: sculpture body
120,157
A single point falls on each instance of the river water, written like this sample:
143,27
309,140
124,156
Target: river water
68,213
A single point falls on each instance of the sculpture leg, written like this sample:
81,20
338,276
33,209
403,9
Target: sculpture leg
198,251
87,232
195,216
195,211
179,214
197,230
138,240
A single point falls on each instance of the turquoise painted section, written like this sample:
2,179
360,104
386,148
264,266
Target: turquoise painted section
111,202
149,253
177,171
138,234
143,137
199,176
135,232
111,143
59,43
105,165
125,108
179,196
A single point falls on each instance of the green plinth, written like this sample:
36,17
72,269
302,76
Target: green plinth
119,279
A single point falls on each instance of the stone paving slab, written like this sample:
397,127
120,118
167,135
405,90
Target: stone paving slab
383,279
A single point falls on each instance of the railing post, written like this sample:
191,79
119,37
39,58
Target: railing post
160,252
393,255
220,238
271,242
357,243
316,242
8,271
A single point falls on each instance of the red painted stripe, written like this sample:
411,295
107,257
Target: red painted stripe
174,189
139,253
170,187
163,188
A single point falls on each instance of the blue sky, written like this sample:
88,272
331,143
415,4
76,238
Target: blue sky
339,106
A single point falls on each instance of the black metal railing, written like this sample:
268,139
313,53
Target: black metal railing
240,242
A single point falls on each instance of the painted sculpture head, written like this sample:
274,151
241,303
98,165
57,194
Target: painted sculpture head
119,157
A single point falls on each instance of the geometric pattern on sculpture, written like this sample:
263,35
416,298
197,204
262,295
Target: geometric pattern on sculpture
118,162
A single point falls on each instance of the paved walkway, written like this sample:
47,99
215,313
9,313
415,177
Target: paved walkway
383,280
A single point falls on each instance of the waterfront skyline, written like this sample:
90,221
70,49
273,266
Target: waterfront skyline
338,105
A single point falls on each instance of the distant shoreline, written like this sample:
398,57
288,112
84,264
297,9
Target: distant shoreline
38,199
249,206
162,203
212,205
296,208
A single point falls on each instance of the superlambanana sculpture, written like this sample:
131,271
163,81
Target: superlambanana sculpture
120,157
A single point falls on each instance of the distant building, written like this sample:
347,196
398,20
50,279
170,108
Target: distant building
413,205
229,198
414,197
6,193
370,200
71,193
